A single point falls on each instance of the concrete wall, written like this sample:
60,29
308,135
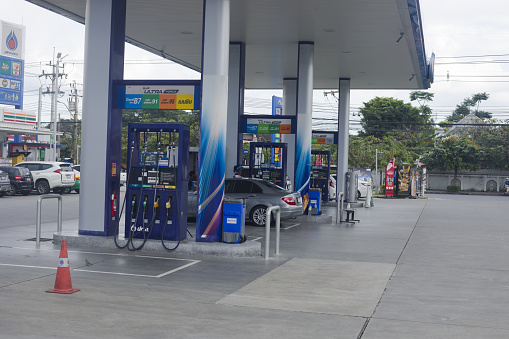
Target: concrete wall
480,181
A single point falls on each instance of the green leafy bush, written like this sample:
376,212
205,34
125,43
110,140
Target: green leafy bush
453,188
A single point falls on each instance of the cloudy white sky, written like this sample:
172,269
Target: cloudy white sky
470,39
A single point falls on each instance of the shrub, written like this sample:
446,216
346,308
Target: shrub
453,188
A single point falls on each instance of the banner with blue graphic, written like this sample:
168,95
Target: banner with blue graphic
212,159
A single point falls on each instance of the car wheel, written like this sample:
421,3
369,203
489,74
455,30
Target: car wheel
2,194
77,191
12,191
258,215
358,194
65,190
42,187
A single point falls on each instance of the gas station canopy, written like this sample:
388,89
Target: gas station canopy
377,44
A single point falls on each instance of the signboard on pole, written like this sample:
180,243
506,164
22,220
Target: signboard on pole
389,178
12,64
268,124
159,96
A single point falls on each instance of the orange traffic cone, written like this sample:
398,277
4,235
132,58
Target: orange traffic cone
63,283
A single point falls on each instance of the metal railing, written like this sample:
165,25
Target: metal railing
267,228
38,216
339,210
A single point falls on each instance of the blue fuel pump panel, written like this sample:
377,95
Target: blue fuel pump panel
234,221
320,172
156,189
267,161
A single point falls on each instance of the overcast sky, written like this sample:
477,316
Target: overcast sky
470,39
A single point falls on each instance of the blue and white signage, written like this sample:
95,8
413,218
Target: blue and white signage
12,65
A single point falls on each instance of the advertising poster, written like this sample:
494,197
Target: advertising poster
403,180
389,179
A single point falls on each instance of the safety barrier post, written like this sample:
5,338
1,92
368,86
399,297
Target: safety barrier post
38,216
267,229
339,210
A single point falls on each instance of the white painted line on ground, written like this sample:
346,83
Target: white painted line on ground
192,262
29,266
258,238
291,226
177,269
116,273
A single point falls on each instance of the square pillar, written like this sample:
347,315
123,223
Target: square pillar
102,124
215,67
304,117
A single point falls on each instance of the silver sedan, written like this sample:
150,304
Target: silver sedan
259,195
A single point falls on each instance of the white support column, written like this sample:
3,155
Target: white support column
304,117
101,126
290,108
343,133
95,118
235,107
216,41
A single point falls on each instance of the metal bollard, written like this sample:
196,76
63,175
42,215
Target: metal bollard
339,210
38,216
267,229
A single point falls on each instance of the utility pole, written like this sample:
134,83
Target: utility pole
73,106
55,91
39,109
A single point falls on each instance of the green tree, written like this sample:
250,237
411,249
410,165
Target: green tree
493,144
453,154
464,109
71,138
362,151
411,126
423,98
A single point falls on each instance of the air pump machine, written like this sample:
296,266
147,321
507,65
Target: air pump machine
157,175
267,160
320,172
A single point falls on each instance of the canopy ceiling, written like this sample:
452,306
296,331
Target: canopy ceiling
378,44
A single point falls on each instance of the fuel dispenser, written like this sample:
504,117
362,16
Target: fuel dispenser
267,160
320,172
157,182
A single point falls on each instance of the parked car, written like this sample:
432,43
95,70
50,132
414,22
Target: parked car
259,195
76,186
362,187
50,175
5,183
21,180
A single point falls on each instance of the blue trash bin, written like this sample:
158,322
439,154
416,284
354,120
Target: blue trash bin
315,198
233,221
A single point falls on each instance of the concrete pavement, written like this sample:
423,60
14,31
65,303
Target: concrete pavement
424,268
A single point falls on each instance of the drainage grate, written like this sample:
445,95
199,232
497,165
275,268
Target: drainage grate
42,239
